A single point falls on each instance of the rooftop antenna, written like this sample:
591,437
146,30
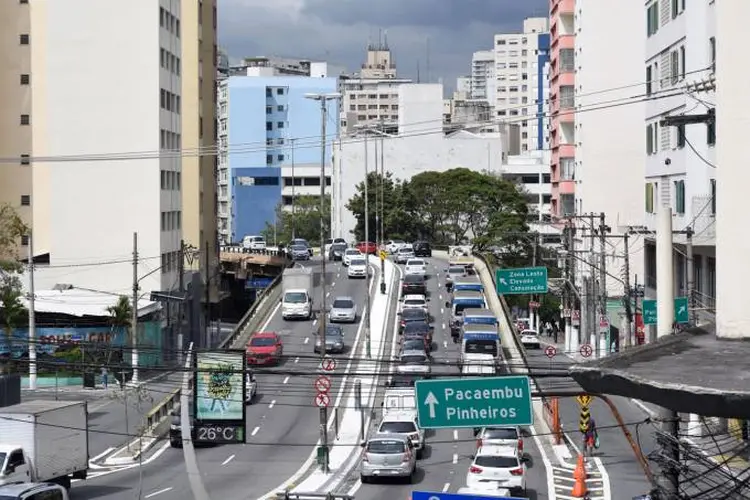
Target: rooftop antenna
380,38
428,60
385,40
418,80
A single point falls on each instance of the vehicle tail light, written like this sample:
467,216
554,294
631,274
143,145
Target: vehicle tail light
403,324
520,444
517,472
365,458
406,458
475,470
479,443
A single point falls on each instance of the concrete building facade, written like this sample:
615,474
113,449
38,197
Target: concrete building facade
561,106
521,80
483,84
530,171
15,102
86,209
269,141
681,161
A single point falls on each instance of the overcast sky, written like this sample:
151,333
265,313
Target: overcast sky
338,31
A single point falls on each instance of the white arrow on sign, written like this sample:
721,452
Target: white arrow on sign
431,401
682,310
503,282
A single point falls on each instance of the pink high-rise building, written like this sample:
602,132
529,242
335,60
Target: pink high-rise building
562,106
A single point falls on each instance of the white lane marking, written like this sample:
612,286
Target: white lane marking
455,458
455,435
100,455
231,457
440,296
286,380
307,339
445,344
272,404
328,294
315,322
442,325
442,311
150,459
159,492
296,360
255,431
446,486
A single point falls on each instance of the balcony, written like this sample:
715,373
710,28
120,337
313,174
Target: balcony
562,7
566,187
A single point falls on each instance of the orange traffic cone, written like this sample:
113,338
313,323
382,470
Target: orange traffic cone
580,470
579,488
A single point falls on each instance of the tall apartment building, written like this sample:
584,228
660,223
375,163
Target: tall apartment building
463,86
199,56
269,148
681,161
483,76
15,103
87,210
562,135
370,96
521,80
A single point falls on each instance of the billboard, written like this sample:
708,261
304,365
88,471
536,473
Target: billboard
220,386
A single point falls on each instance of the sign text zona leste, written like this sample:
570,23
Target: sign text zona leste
521,280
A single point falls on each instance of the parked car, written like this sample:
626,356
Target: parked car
367,247
264,348
343,310
422,249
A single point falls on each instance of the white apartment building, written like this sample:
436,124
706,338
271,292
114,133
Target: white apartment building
483,75
681,161
86,209
521,68
530,171
607,173
463,85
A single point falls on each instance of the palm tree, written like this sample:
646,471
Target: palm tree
12,310
119,316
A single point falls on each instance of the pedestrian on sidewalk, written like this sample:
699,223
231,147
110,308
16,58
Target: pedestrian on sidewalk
105,377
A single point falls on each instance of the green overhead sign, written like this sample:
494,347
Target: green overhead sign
521,280
681,314
474,402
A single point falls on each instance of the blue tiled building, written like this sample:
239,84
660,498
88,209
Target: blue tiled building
270,126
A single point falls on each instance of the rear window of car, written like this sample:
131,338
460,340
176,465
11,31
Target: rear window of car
343,304
357,262
386,447
415,263
413,314
416,327
414,302
414,278
507,433
398,427
413,359
499,462
405,250
353,251
456,270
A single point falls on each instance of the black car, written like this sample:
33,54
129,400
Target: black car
422,249
413,284
413,343
419,328
175,429
412,316
337,251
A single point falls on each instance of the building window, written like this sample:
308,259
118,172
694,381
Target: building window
681,139
682,62
712,52
25,159
567,60
280,109
567,97
25,119
713,196
269,125
25,79
24,39
269,92
652,134
279,91
649,77
679,197
649,198
25,200
266,181
280,158
567,169
674,67
711,130
269,110
652,18
25,237
280,125
269,159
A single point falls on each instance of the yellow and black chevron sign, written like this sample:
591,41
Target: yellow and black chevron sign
583,421
584,400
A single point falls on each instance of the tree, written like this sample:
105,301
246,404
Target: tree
397,222
303,223
120,316
12,311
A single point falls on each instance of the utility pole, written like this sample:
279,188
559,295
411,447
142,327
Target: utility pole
690,276
323,289
378,201
294,181
534,311
670,426
32,318
382,189
368,345
574,334
134,312
591,291
207,294
603,229
181,311
628,311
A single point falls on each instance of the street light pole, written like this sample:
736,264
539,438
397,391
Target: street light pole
134,312
367,257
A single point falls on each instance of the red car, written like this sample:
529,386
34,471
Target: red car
264,348
367,247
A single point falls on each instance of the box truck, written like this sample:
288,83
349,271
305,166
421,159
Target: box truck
296,293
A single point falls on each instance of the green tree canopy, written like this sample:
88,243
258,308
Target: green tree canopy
12,311
303,222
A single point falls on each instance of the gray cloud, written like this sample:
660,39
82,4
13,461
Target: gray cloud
338,30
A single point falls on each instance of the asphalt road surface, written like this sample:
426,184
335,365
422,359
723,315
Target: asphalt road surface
449,451
282,422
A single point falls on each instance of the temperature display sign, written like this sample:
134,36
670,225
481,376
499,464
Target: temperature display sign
219,433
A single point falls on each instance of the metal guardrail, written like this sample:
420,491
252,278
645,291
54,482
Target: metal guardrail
162,410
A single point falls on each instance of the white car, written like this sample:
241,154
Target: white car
403,423
330,242
414,302
501,436
404,254
392,246
349,254
498,465
530,339
488,490
254,242
416,266
357,267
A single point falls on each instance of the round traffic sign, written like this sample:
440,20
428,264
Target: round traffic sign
323,384
550,351
322,400
586,350
328,364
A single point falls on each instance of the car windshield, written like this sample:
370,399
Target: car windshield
456,270
343,304
295,298
416,263
413,344
332,331
300,241
353,251
405,250
413,315
299,248
481,347
415,327
384,447
500,433
339,246
414,302
414,359
496,461
357,262
397,427
414,278
529,333
262,341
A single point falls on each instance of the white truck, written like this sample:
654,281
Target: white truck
296,293
460,255
44,441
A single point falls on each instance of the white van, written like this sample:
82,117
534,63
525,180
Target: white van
254,242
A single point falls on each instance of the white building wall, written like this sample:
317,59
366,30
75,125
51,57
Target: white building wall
463,85
302,175
368,102
532,166
88,209
406,157
223,191
600,159
420,108
483,75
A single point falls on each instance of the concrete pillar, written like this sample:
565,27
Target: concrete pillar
574,339
664,273
568,336
695,426
732,122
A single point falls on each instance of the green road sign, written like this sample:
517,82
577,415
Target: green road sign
521,280
681,314
474,402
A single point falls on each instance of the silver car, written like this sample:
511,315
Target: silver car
414,361
334,340
300,252
343,310
391,455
